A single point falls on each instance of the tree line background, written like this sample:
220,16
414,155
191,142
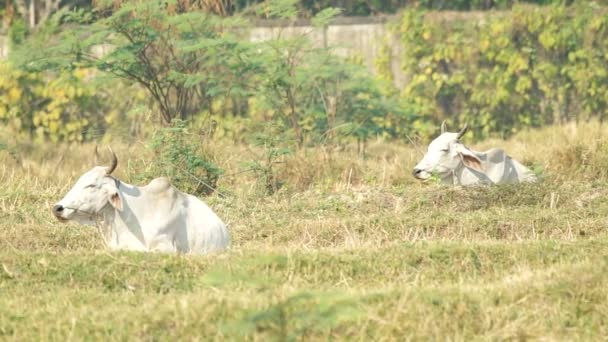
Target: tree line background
34,12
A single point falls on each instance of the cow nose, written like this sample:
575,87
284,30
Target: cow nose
58,209
416,172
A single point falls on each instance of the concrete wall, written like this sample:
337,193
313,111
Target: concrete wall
349,36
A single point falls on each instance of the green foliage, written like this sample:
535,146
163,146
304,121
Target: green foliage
309,8
184,60
191,63
279,9
467,5
179,155
65,108
323,18
275,145
319,96
299,315
525,68
364,110
382,63
17,32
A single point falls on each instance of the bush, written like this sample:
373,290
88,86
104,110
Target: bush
318,96
183,59
275,145
62,108
524,68
179,155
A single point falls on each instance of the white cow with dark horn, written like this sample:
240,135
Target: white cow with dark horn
456,164
155,217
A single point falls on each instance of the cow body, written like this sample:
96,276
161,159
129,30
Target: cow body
496,168
456,164
156,217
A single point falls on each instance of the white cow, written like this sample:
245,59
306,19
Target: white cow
456,164
155,217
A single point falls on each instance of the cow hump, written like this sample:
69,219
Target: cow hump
159,185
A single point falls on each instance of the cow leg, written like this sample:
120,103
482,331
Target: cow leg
162,244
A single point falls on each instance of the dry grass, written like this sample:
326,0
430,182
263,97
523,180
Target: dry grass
350,248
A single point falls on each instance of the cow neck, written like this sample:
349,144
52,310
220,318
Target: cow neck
116,182
125,224
454,175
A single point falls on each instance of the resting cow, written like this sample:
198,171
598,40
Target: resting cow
155,217
456,164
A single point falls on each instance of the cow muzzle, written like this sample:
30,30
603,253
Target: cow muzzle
420,174
63,213
58,211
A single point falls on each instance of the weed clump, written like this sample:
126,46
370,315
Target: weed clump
181,156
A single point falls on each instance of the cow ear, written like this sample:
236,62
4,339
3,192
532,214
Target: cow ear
469,158
116,201
471,162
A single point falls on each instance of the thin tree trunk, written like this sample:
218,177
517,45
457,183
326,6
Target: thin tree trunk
32,13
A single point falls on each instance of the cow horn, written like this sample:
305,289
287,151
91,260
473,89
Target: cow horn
463,130
114,162
95,157
444,127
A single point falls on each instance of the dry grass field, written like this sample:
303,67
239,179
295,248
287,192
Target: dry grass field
350,248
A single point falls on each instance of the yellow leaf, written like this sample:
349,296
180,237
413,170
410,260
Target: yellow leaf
71,92
53,127
14,94
484,45
80,73
55,114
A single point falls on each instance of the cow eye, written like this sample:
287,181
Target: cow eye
445,150
89,186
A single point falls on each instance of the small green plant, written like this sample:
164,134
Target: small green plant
435,178
274,144
17,32
538,169
180,157
300,315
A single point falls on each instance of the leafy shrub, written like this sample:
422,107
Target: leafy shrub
191,63
275,145
63,108
299,316
318,96
524,68
184,60
179,155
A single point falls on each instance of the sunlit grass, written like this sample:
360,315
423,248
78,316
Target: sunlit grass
350,248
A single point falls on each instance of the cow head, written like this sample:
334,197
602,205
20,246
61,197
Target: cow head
445,154
93,191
